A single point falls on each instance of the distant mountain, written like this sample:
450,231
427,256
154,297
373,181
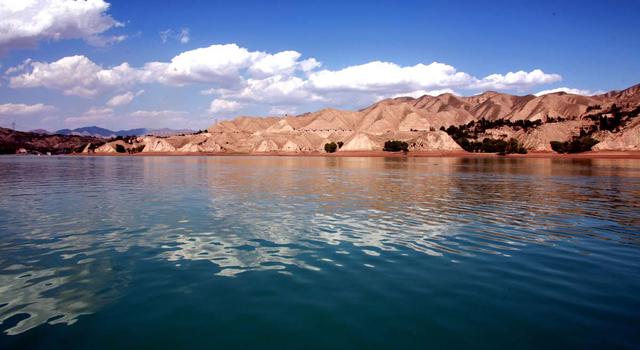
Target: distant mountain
88,131
96,131
40,131
40,142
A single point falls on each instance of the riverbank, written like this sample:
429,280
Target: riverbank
461,154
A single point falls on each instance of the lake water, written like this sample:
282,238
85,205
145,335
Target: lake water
300,253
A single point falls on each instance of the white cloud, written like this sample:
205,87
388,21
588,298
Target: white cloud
73,75
388,77
275,90
106,40
420,93
123,99
107,116
26,22
222,106
220,65
517,80
285,62
15,109
217,64
92,116
158,114
183,36
255,78
283,110
567,90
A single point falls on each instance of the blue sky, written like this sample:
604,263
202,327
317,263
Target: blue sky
122,64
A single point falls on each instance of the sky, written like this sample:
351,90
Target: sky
185,64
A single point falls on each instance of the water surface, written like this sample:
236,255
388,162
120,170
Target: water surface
292,252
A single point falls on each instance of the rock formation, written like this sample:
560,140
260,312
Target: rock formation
418,121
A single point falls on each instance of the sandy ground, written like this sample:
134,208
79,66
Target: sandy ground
585,155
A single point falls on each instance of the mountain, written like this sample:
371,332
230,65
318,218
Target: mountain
40,131
534,121
87,131
441,123
106,133
11,141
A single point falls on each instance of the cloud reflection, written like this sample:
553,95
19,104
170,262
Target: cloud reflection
63,230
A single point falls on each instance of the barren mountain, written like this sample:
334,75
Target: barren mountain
551,117
428,123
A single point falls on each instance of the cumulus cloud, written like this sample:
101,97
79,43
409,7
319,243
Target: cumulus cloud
236,76
19,109
123,99
285,62
26,22
283,110
275,90
92,116
517,80
219,65
420,93
567,90
388,77
181,36
222,106
73,75
158,114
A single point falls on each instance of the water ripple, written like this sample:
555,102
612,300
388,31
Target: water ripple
64,222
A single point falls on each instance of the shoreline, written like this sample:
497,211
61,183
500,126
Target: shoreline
380,154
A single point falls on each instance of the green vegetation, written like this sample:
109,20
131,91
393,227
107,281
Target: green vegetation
127,138
7,148
577,145
488,145
396,146
472,129
465,135
555,120
136,149
330,147
120,149
594,107
612,120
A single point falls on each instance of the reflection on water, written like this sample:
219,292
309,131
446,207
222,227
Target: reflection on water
68,225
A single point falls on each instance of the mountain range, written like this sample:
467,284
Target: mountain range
443,123
97,131
534,121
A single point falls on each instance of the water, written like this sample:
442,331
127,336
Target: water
285,252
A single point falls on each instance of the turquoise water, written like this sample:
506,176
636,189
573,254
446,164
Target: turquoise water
286,252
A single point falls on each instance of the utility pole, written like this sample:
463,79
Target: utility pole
13,126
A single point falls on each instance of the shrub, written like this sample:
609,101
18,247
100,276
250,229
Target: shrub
120,149
340,144
136,149
330,147
7,148
492,146
396,146
577,145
